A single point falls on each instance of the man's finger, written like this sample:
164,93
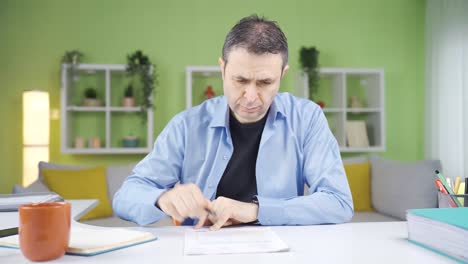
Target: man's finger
228,223
179,205
220,222
192,209
199,202
201,220
171,211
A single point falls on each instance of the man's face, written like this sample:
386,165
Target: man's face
250,83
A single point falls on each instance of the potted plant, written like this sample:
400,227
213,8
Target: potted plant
130,141
129,98
139,66
90,97
73,58
309,63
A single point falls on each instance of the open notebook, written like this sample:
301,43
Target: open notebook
90,241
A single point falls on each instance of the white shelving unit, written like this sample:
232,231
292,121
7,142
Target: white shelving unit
69,110
338,85
192,72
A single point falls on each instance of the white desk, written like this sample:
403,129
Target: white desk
380,242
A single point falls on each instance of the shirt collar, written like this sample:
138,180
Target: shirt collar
221,117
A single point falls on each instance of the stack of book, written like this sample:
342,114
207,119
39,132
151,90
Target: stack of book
443,230
11,202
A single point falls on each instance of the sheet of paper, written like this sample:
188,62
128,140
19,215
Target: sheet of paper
232,240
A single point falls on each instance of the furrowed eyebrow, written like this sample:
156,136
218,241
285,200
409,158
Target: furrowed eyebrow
267,80
240,78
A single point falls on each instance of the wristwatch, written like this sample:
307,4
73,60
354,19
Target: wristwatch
255,201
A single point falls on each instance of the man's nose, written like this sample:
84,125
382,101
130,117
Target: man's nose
251,93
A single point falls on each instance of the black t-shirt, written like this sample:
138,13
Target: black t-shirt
238,181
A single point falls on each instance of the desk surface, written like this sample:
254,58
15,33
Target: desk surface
346,243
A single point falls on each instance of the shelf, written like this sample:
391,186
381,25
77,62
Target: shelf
332,110
339,88
363,110
106,150
110,122
86,108
125,109
369,149
201,76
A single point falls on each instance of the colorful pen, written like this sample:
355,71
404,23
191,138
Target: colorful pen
457,185
449,190
442,189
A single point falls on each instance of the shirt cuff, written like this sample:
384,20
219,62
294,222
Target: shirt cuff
144,211
271,211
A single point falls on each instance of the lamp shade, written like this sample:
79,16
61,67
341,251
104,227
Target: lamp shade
35,118
35,133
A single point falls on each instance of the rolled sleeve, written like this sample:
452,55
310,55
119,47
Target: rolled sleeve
144,210
271,211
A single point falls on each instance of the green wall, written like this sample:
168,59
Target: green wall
359,33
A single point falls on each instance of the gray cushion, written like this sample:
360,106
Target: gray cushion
355,159
36,186
397,186
371,217
116,175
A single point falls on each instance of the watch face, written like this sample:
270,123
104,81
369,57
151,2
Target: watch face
255,199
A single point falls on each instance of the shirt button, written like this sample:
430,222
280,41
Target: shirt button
210,186
225,157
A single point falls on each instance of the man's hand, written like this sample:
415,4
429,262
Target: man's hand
185,200
225,212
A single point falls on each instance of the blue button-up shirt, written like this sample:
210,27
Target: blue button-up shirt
296,148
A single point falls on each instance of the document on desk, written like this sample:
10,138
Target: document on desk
232,240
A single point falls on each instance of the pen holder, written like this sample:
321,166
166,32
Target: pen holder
448,200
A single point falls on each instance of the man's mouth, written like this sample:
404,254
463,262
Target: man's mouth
250,109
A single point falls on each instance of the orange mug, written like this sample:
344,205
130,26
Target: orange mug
44,230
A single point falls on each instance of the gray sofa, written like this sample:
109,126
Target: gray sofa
395,187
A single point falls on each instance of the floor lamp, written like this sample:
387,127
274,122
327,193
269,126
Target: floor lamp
35,133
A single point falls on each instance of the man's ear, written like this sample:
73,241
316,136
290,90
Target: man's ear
285,69
221,64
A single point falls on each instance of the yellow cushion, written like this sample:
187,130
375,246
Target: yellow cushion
359,181
81,184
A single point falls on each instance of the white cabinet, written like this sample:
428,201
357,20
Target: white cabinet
109,122
337,88
201,75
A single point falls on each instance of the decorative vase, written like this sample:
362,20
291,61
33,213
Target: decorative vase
92,102
128,101
94,142
130,142
79,142
355,102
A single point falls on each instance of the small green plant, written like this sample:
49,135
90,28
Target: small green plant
90,93
73,57
309,62
139,65
128,91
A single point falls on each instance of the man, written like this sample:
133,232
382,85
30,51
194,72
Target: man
243,157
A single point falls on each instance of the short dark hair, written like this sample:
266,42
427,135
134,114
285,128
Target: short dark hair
259,36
